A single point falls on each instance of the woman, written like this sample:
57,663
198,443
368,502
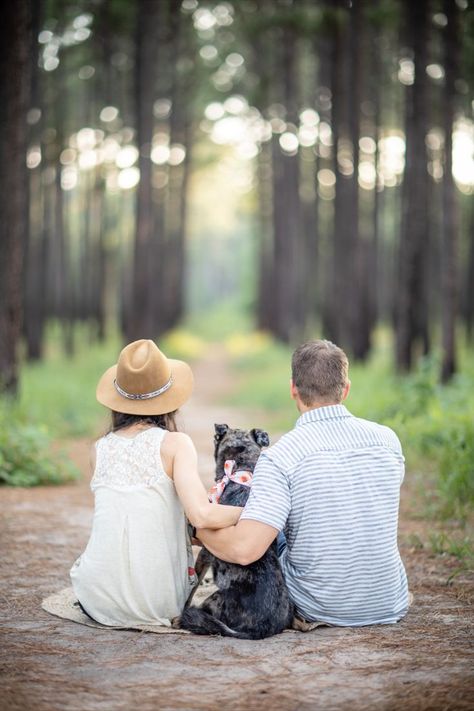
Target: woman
138,565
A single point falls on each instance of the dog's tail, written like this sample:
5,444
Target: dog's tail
199,621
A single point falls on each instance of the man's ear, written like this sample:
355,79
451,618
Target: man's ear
347,390
261,437
293,390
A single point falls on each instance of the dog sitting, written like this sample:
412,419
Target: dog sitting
252,601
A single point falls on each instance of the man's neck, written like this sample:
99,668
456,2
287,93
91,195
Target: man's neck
302,408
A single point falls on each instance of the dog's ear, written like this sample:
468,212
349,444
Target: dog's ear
220,431
261,437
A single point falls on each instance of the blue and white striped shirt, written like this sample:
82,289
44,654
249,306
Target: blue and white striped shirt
333,485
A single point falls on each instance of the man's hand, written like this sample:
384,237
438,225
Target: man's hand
243,543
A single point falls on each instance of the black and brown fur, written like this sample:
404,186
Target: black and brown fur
252,601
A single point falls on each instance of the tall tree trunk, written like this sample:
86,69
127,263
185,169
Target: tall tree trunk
140,324
449,259
358,277
182,83
289,259
15,88
35,263
340,293
375,256
411,321
265,296
262,65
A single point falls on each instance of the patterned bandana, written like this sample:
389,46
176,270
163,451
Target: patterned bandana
240,476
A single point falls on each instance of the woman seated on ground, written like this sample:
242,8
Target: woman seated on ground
138,565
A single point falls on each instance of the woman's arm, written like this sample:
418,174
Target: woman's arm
192,493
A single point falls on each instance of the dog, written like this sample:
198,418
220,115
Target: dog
252,601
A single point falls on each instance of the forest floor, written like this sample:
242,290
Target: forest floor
48,664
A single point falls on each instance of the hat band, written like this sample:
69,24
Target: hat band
143,396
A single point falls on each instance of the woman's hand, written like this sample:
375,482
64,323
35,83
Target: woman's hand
192,493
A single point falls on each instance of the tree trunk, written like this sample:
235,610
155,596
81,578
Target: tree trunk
15,91
449,258
289,260
340,289
411,320
140,324
265,296
181,82
375,256
34,273
357,277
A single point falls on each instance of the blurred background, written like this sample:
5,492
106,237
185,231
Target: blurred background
248,174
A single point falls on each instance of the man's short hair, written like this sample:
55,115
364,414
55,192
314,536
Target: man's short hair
319,372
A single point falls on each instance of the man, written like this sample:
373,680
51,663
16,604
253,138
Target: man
332,484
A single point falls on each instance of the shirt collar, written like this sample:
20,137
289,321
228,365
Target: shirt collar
329,412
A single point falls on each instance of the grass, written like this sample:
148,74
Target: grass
452,544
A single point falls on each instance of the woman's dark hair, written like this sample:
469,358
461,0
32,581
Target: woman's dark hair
122,419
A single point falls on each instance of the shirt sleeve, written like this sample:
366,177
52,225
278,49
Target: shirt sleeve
269,501
400,457
396,447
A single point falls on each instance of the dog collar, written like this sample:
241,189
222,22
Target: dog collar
239,476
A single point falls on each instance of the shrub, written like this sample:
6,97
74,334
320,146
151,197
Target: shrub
25,454
456,480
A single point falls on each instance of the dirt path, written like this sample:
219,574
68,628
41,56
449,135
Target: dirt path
47,664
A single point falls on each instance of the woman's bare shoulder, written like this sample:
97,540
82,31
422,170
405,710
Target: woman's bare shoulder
177,440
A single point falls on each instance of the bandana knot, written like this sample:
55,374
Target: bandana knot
239,476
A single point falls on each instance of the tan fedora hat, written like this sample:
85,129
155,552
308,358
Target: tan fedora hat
145,382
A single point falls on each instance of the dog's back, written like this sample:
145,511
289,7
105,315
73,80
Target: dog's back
252,601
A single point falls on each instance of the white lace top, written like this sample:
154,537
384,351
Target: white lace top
138,565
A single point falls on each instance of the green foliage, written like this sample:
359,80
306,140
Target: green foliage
26,458
456,483
447,543
59,392
442,543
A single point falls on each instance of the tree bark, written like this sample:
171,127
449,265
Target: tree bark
449,259
289,259
34,272
15,88
339,322
140,323
357,277
411,319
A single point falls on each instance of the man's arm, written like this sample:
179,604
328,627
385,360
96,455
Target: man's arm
241,544
265,514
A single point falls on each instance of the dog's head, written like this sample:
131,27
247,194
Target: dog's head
243,446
